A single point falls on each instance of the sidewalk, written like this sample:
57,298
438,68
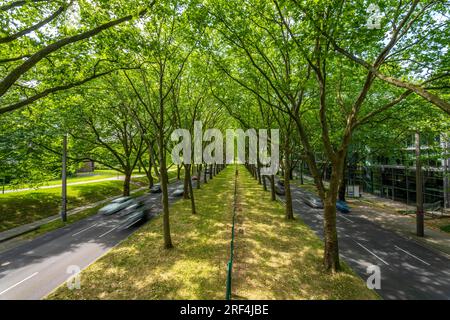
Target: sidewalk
385,212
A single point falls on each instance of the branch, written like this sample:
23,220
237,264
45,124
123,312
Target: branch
46,92
23,32
15,74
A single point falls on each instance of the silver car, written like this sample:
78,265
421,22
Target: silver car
116,205
313,201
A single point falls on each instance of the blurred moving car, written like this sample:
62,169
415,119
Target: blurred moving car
178,192
156,188
313,201
138,212
342,206
194,178
116,205
279,188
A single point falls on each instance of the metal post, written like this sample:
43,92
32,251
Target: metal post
419,190
446,164
64,180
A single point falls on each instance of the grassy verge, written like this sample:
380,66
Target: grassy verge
139,268
281,259
19,208
23,207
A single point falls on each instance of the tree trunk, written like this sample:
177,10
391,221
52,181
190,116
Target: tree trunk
187,178
178,171
331,250
259,174
273,196
287,187
126,183
191,195
210,172
165,197
301,173
205,179
199,175
264,182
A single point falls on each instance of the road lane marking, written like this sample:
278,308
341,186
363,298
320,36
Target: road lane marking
346,218
409,253
371,253
83,230
15,285
104,234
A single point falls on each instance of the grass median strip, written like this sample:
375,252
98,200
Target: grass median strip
139,268
281,259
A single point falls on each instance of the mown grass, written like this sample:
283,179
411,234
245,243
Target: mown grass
281,259
19,208
139,268
96,175
23,207
275,259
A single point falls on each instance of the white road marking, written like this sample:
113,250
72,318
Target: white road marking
346,218
83,230
408,253
5,263
15,285
104,234
372,253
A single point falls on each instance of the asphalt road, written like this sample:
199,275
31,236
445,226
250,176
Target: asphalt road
408,270
34,269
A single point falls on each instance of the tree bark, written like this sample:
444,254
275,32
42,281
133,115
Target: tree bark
273,196
287,186
187,178
126,184
199,175
331,250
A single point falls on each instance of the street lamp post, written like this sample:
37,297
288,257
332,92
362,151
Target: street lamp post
64,180
419,190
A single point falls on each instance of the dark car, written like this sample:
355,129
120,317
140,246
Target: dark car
342,206
156,188
313,201
116,205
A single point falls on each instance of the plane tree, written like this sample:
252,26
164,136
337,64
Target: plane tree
51,46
